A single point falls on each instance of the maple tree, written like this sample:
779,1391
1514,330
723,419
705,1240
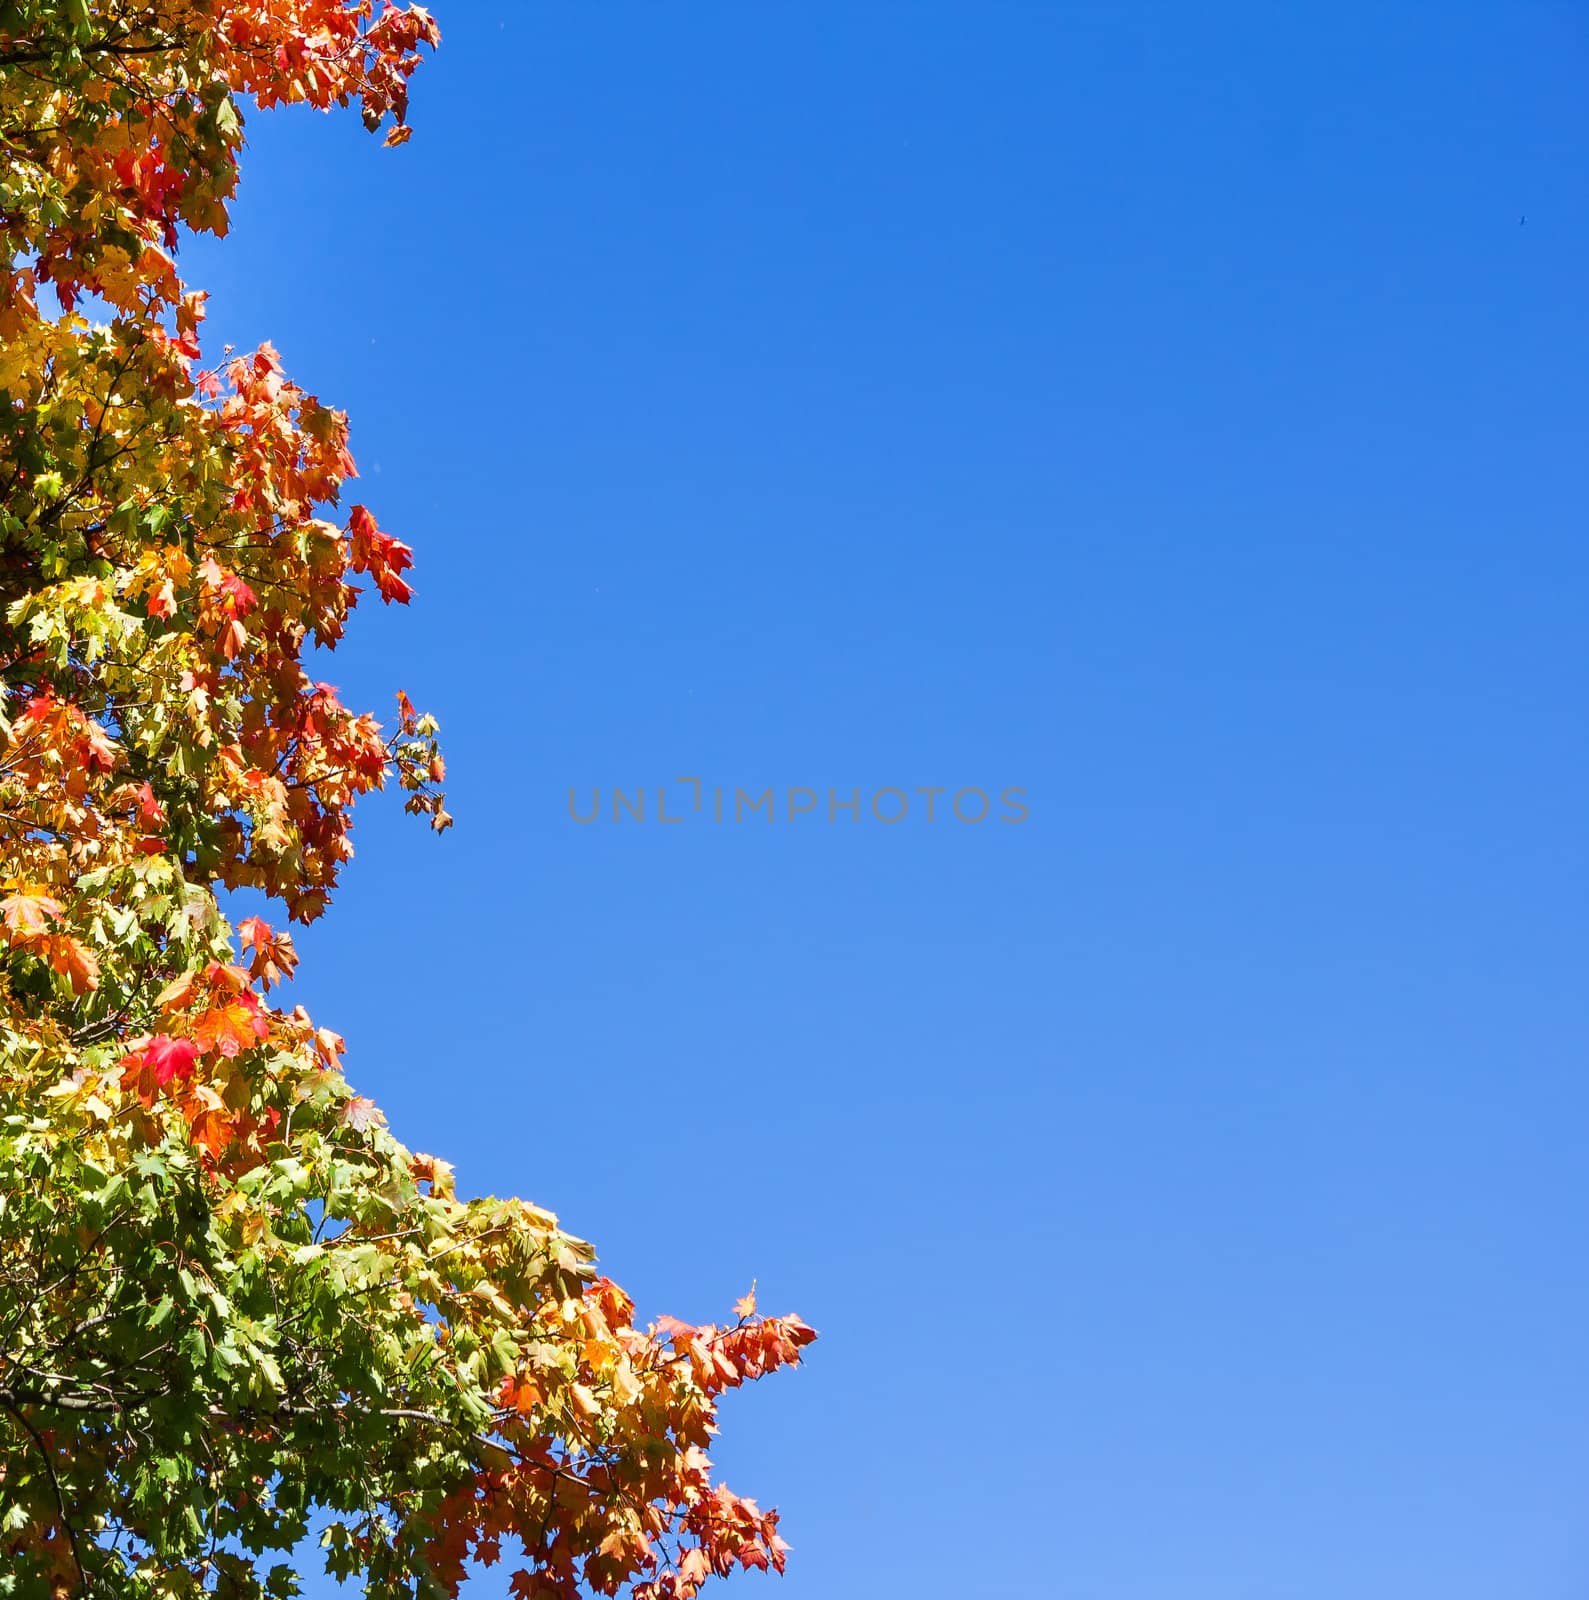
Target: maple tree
233,1308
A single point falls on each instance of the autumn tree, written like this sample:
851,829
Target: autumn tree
234,1310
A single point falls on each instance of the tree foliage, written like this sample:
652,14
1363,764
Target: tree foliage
233,1308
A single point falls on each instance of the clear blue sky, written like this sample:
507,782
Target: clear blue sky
1176,411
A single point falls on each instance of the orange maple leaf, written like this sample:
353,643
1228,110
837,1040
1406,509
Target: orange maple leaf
29,911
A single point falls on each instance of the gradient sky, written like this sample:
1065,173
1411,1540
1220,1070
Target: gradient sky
1178,412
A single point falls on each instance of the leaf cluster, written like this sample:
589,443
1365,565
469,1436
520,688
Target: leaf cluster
233,1307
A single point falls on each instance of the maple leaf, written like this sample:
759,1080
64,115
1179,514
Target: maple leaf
626,1546
210,1125
523,1395
95,749
328,1045
137,1075
171,997
171,1058
274,958
380,555
73,960
29,911
360,1113
745,1306
230,1027
151,814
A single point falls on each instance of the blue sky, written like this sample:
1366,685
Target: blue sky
1176,412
